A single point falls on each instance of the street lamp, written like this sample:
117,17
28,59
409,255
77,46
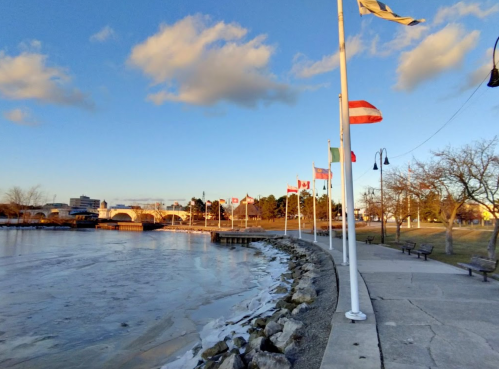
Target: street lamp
494,74
386,162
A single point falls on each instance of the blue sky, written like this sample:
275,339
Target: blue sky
135,101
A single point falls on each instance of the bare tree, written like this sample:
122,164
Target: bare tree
435,181
476,168
396,201
20,200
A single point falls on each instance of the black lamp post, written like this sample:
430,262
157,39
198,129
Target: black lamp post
386,162
494,75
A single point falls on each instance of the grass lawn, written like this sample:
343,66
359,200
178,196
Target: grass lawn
467,242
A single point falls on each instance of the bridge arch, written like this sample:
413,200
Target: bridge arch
39,215
122,217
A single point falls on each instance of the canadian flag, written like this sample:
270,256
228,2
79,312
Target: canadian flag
303,185
250,200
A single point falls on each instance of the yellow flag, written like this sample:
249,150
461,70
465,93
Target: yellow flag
383,11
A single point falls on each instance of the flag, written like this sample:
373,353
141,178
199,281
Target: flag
235,200
335,155
208,203
320,173
193,202
303,185
250,200
383,11
175,203
221,201
362,112
292,189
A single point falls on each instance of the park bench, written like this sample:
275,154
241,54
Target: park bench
369,239
425,249
480,264
409,245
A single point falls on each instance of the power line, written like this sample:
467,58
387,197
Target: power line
448,121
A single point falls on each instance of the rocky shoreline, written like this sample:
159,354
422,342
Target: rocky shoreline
296,334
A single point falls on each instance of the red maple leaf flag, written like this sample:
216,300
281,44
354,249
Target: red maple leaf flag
303,185
362,112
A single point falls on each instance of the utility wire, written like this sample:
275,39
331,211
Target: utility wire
448,121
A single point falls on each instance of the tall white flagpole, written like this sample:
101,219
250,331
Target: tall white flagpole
246,211
355,313
219,206
409,195
286,218
315,217
206,214
343,207
329,206
299,216
232,205
191,213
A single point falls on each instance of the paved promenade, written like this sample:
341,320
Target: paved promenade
419,314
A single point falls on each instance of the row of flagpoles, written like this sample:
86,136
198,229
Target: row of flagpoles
234,200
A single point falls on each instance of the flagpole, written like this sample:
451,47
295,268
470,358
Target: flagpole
206,214
219,205
343,208
329,207
355,313
286,218
299,216
191,213
232,204
408,195
315,217
246,211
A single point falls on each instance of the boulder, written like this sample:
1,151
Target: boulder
233,361
219,348
307,295
239,341
266,360
300,308
289,332
272,328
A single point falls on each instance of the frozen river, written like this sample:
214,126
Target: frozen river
106,299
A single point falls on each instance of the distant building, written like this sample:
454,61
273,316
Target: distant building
84,202
56,205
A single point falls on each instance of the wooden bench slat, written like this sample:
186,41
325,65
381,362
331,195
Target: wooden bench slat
480,264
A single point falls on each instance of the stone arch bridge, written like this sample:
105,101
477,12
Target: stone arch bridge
143,215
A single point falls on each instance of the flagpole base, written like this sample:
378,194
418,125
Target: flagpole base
345,263
355,316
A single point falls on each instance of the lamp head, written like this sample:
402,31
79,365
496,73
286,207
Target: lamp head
375,166
386,162
494,78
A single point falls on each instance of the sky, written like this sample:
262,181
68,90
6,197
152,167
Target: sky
139,101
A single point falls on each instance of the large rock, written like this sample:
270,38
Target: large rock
266,360
307,295
289,332
239,341
218,349
232,362
272,328
300,308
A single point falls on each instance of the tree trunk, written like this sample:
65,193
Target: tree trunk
449,247
397,233
491,247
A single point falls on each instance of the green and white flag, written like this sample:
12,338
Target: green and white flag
383,11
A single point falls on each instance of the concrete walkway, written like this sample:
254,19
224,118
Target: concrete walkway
423,314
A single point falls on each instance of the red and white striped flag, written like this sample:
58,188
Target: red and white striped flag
303,185
362,112
250,200
292,189
208,203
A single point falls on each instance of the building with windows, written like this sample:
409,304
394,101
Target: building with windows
84,202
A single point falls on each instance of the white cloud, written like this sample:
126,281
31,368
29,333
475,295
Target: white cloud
305,68
480,74
28,77
199,64
462,9
20,116
405,37
103,35
437,53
